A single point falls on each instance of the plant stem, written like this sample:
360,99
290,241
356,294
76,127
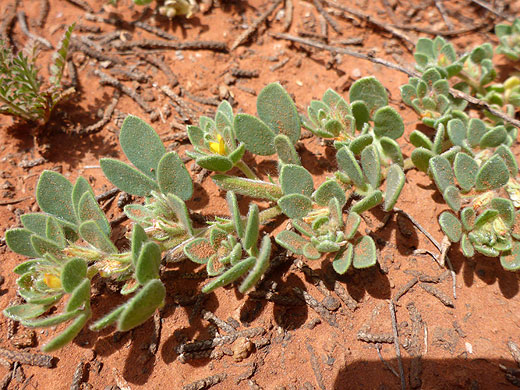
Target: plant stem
244,168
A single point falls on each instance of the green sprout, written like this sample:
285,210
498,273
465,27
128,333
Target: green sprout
21,93
509,36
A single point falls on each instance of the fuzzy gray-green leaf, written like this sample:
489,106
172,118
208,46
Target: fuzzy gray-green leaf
230,275
348,164
466,246
67,335
142,305
370,91
508,157
295,179
173,177
255,134
291,241
467,217
54,196
371,165
493,137
19,241
451,226
147,267
25,311
261,265
199,250
79,296
505,209
141,145
492,174
252,227
452,197
92,233
442,173
465,169
327,190
253,188
388,122
80,187
368,202
126,178
35,222
285,150
511,260
108,319
421,158
343,260
277,110
215,163
235,213
394,184
295,205
365,253
139,237
88,209
73,273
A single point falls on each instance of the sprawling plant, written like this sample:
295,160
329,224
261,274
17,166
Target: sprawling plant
509,36
22,93
171,8
469,159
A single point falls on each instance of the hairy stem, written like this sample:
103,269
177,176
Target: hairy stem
244,168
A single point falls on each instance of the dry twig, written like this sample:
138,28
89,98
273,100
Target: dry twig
23,26
326,16
396,344
107,115
31,359
205,383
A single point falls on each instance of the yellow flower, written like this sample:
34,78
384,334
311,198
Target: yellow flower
52,281
218,147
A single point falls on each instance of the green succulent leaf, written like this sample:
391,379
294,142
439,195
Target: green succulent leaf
493,137
19,241
421,158
505,153
295,179
230,275
451,226
215,163
88,209
108,319
79,296
181,211
291,241
141,144
255,134
277,110
327,190
199,250
54,196
80,188
126,178
347,163
365,253
49,321
467,217
392,150
147,267
253,188
285,150
368,202
492,174
511,260
35,222
371,165
42,246
466,169
295,205
72,274
452,197
442,173
68,334
466,246
388,122
505,209
343,260
235,213
261,265
370,91
25,311
419,139
394,184
139,237
252,227
92,233
173,177
142,305
359,143
311,252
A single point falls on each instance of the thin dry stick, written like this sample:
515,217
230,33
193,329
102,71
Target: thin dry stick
371,20
326,15
391,65
109,80
42,15
253,27
155,30
385,363
89,51
160,64
205,383
440,6
403,290
445,300
107,115
158,44
492,10
289,9
31,359
315,367
23,26
82,4
9,18
396,343
459,31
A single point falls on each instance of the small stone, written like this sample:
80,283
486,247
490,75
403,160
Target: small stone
241,348
356,73
331,303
